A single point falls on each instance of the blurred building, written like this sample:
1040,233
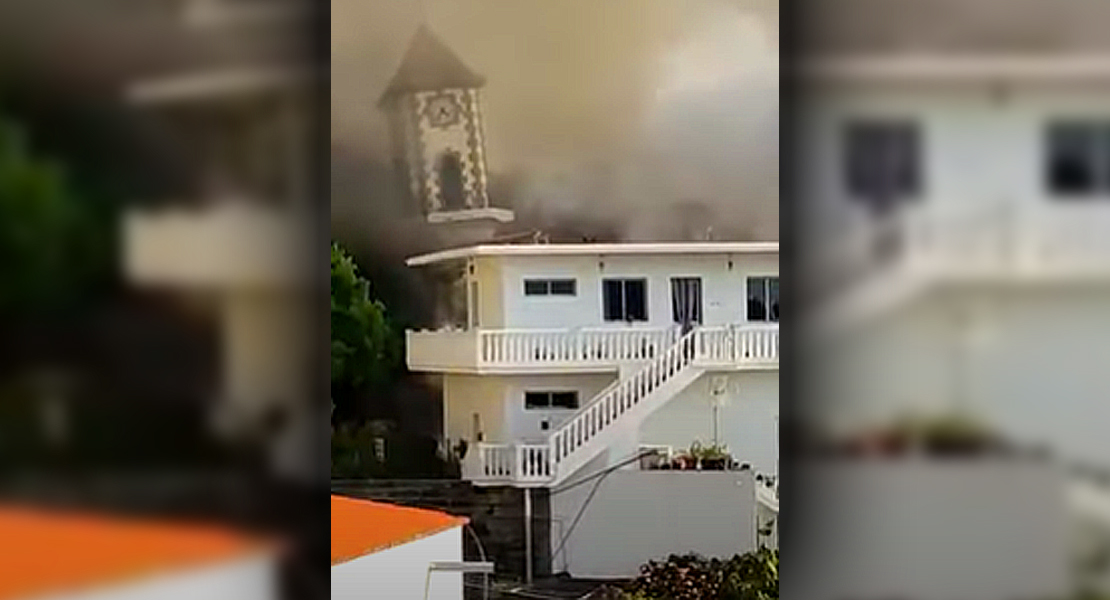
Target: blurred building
235,92
952,191
70,556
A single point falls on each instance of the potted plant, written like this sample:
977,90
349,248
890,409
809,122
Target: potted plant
715,457
955,435
879,442
688,460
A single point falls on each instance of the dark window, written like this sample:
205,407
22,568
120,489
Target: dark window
1078,159
536,287
451,185
882,162
550,287
564,400
624,299
563,287
763,299
550,400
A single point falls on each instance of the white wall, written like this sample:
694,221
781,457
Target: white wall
466,395
1035,365
253,578
936,530
401,571
724,290
748,420
980,148
637,516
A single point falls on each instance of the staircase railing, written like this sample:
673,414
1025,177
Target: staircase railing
620,397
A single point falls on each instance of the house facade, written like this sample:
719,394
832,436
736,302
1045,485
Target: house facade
960,219
576,358
955,208
238,244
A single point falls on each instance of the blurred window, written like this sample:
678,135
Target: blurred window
883,162
1078,159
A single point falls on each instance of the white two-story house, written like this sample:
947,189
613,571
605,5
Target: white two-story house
576,357
954,180
960,219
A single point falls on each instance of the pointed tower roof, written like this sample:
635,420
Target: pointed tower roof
430,65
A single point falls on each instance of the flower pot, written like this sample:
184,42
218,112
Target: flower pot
956,447
685,463
714,464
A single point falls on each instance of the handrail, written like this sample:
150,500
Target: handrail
616,399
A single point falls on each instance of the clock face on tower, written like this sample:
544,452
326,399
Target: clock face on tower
443,110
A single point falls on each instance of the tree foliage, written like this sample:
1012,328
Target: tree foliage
365,346
51,245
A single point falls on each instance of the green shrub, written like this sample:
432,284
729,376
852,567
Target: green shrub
751,576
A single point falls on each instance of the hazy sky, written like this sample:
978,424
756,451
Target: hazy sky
692,84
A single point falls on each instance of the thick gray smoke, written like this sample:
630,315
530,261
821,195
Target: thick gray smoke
660,127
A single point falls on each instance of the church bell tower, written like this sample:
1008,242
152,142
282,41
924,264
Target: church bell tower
435,121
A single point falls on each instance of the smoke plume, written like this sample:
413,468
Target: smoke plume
644,119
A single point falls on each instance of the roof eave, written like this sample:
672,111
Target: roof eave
970,68
592,250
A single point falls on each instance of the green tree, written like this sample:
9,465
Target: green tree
365,346
51,246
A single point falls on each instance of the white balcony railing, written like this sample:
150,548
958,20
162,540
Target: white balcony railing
229,245
736,346
507,347
510,463
749,345
979,239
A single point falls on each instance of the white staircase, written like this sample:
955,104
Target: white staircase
622,405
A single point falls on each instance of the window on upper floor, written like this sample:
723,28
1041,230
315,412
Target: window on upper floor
624,299
550,287
551,400
763,299
1078,159
882,162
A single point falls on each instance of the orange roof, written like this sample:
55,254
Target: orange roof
48,551
360,527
